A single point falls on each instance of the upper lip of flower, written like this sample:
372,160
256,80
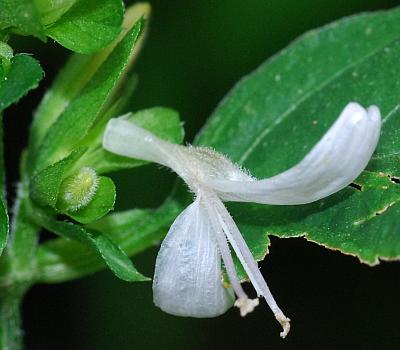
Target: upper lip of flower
334,162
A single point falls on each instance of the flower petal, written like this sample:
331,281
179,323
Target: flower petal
334,162
126,139
188,277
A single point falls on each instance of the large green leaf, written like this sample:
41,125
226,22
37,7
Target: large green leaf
273,117
89,25
134,230
101,248
79,116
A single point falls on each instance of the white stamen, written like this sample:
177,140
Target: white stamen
242,251
224,249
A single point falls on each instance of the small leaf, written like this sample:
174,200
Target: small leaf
105,248
21,16
82,112
99,205
89,25
45,186
134,230
273,117
23,75
163,122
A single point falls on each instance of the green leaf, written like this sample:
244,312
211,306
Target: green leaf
101,203
134,230
89,25
163,122
21,16
104,246
273,117
23,75
45,186
82,112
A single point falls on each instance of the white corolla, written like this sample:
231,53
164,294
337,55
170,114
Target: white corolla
188,278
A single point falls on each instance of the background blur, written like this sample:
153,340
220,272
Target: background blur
195,52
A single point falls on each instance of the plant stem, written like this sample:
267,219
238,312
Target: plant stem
17,272
11,334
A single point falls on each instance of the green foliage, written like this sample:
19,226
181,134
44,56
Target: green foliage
274,116
79,116
80,25
104,247
133,230
89,25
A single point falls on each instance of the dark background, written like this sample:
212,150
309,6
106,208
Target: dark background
196,50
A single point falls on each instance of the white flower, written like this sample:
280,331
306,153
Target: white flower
188,278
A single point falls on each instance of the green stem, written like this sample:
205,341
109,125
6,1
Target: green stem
11,335
17,272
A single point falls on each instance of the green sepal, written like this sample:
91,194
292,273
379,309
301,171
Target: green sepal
111,254
45,186
102,202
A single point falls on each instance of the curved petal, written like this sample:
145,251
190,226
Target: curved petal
334,162
127,139
188,277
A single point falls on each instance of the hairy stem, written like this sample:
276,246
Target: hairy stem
17,272
11,334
